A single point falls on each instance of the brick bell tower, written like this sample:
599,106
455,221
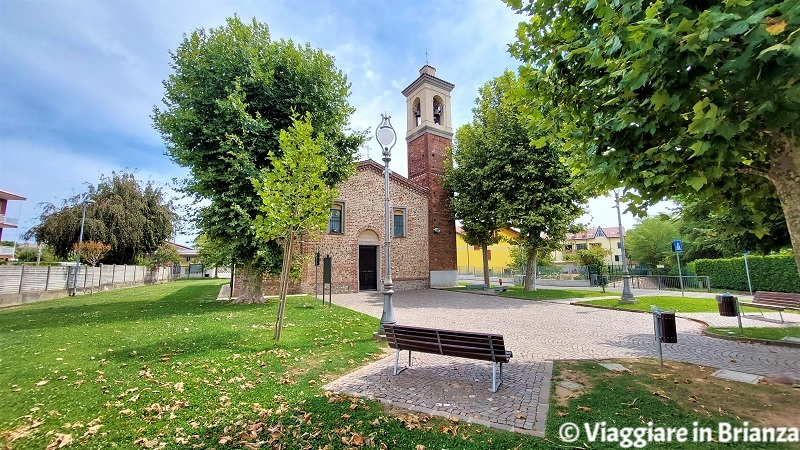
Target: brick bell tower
430,133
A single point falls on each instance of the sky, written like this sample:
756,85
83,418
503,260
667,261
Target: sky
79,79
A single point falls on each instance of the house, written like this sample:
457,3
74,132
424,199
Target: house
423,231
470,257
188,254
603,237
7,252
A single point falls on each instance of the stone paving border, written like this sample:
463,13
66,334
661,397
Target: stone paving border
458,388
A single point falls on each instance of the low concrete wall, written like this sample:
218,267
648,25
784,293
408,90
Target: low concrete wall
444,278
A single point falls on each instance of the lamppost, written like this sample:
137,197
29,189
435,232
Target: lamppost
627,294
747,269
80,241
387,138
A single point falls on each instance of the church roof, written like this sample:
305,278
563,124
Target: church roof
426,76
369,164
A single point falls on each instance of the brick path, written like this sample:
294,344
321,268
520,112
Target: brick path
537,332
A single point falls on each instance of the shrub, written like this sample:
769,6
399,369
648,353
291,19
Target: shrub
767,273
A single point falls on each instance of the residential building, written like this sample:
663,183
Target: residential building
7,221
603,237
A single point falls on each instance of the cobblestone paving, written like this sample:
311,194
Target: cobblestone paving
537,332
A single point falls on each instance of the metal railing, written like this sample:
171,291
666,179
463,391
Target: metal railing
5,220
663,282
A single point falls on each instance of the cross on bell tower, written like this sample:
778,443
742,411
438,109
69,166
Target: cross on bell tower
429,135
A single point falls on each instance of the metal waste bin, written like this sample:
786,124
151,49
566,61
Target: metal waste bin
669,333
727,305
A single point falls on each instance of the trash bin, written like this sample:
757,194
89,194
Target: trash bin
669,333
727,305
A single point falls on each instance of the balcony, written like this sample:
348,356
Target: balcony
8,222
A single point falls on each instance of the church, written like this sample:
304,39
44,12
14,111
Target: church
423,241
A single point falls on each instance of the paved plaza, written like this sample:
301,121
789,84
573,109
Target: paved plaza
538,332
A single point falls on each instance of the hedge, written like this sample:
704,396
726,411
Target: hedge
767,273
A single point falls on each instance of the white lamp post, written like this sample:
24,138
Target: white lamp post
627,294
387,138
80,241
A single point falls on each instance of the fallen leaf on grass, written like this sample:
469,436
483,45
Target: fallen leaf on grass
179,386
661,394
584,408
693,399
419,447
42,383
562,414
60,441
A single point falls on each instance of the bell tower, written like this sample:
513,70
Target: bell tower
429,135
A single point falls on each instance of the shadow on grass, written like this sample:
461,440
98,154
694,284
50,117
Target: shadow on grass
105,309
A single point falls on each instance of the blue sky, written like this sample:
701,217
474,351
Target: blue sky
79,79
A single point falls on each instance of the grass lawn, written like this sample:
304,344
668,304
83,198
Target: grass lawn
771,333
675,395
678,304
552,294
167,365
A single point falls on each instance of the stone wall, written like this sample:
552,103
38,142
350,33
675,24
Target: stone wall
364,202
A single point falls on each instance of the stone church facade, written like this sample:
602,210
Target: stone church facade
423,244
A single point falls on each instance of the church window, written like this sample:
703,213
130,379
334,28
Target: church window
336,220
399,222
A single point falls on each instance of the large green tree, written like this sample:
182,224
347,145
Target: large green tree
470,179
650,241
532,189
671,97
133,218
232,91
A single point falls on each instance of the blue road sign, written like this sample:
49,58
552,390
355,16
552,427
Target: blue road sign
677,246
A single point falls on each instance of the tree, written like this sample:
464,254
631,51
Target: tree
232,90
727,229
91,252
532,186
134,219
673,97
650,241
213,253
470,180
165,255
295,197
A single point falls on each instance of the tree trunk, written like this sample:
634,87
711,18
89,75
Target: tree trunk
250,280
785,175
285,273
485,254
530,268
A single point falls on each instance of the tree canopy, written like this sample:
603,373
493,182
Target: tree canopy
133,218
672,97
650,241
470,180
232,90
527,187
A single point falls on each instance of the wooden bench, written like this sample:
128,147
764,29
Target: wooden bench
480,286
463,344
776,301
500,288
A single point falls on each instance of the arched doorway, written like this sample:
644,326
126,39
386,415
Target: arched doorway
368,256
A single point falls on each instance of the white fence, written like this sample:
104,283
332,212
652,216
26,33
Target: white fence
23,283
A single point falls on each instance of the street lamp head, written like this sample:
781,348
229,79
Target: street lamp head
89,201
385,135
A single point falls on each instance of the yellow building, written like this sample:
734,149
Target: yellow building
470,259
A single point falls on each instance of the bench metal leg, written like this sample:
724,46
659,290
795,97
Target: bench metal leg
495,384
781,313
397,369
